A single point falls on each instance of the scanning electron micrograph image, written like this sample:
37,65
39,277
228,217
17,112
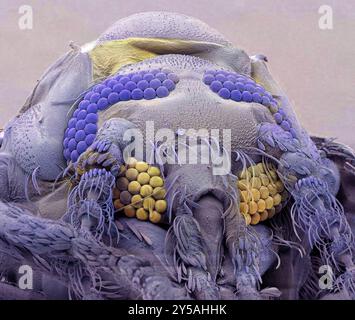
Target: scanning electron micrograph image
163,159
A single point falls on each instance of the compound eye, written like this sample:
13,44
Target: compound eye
240,88
82,127
237,87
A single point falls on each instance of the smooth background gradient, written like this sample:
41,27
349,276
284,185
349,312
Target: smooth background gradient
315,67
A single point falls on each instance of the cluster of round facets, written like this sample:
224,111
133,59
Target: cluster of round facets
282,120
231,85
82,127
240,88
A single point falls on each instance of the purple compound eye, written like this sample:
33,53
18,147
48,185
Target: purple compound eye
259,88
161,76
95,97
220,77
261,91
136,78
148,77
80,135
71,145
143,84
80,125
124,80
88,95
71,133
82,115
90,128
118,87
269,95
149,93
65,142
236,95
216,86
232,79
113,98
106,92
112,83
274,104
240,86
92,108
130,85
250,82
137,94
256,97
99,88
90,139
282,112
81,147
91,118
229,85
265,101
74,156
125,95
155,83
250,88
169,84
72,123
246,96
208,79
102,104
224,93
278,117
84,104
162,92
67,154
173,77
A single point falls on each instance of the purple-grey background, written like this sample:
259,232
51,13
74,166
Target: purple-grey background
315,67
